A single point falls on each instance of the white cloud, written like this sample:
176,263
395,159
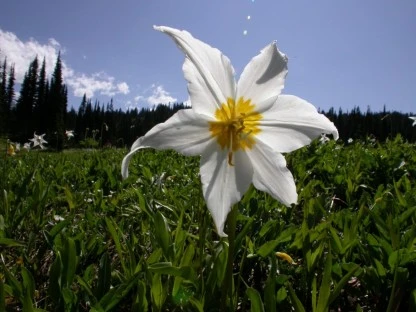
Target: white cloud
21,54
160,96
138,98
123,87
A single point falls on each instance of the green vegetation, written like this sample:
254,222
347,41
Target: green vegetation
75,237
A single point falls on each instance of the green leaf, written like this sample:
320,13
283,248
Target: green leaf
8,242
2,296
55,278
255,299
281,294
116,294
69,197
17,289
86,287
337,289
58,228
380,268
161,231
69,261
28,282
112,229
324,290
141,297
267,248
158,297
167,268
297,305
27,302
104,276
410,212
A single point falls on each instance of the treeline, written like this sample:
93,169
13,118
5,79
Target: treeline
41,107
101,125
375,125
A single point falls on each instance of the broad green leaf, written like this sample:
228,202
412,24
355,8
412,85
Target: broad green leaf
104,276
8,242
380,268
27,302
69,261
161,232
297,305
28,282
141,297
118,293
2,296
112,228
255,299
86,287
158,297
324,290
281,294
356,271
55,278
69,197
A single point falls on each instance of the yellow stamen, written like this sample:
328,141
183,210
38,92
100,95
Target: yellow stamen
236,126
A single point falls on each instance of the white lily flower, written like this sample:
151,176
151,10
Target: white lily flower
26,146
239,128
38,140
414,120
323,139
69,134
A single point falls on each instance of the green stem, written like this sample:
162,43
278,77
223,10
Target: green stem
227,285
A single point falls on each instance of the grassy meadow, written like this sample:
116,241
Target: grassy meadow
75,237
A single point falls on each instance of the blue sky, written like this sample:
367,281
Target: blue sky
341,53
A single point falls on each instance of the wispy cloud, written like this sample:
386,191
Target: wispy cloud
160,96
151,96
21,53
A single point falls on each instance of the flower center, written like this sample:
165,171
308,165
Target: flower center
235,126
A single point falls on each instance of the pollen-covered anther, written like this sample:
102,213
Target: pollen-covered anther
235,126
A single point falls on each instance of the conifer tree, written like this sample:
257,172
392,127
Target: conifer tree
57,102
24,107
9,100
3,97
39,108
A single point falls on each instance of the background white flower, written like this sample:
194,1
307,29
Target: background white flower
38,140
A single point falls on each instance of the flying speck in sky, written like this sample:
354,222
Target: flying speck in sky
248,17
245,32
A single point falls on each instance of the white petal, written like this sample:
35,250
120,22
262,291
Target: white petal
292,123
271,174
185,132
209,73
263,78
223,185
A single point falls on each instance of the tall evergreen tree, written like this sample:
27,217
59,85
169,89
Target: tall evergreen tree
39,109
57,102
9,100
10,88
24,107
3,97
